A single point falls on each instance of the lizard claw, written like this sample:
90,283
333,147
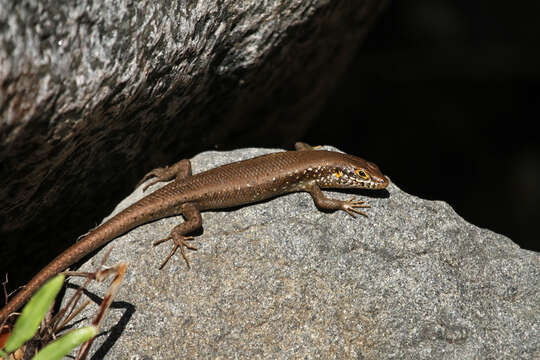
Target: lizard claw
179,242
351,207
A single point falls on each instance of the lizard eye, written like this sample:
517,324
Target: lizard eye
361,173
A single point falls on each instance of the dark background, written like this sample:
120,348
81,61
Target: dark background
443,96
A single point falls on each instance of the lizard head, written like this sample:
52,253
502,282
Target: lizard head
353,172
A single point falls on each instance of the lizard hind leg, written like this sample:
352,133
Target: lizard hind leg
178,234
178,171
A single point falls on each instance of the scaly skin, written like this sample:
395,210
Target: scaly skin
230,185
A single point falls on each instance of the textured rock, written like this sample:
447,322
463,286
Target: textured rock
93,93
282,280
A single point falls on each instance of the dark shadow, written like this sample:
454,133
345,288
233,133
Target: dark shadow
114,333
377,194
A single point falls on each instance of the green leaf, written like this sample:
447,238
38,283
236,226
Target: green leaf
64,345
27,324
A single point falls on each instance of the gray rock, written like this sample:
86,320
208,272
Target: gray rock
282,280
93,93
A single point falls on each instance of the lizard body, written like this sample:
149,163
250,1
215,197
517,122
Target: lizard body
230,185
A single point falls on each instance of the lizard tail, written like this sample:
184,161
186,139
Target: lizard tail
59,264
92,241
131,217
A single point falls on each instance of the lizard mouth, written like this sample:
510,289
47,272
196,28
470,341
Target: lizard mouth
370,184
373,183
379,182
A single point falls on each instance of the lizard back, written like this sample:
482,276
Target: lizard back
256,179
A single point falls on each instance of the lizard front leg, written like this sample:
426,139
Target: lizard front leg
193,222
178,171
322,202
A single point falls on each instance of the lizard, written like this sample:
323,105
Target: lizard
235,184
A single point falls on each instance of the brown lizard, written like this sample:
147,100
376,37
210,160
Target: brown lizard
230,185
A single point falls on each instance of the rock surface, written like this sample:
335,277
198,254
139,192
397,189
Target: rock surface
94,93
282,280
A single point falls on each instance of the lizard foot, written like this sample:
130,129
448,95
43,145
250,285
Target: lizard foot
179,242
351,207
302,146
161,174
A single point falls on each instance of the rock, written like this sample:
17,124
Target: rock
282,280
94,93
